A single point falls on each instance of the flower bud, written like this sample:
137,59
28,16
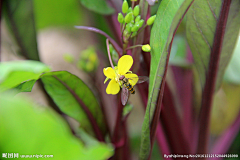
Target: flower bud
129,9
88,60
140,23
68,58
120,18
128,17
125,6
137,18
129,27
151,20
136,10
146,48
135,28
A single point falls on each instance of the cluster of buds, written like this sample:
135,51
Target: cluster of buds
88,60
131,21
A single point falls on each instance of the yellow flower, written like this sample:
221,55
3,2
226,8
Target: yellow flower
122,69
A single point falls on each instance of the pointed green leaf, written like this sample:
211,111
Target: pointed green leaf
20,18
200,30
33,130
98,6
15,72
168,17
26,86
71,95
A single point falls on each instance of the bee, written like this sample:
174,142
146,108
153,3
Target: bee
127,88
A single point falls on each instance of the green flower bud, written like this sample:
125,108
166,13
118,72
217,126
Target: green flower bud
132,21
146,48
129,27
129,9
140,23
88,60
133,34
136,10
125,6
135,28
68,58
151,20
128,17
137,18
120,18
89,66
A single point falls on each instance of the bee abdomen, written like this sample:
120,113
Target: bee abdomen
132,90
128,86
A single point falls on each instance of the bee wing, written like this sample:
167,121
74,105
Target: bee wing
142,79
134,79
124,95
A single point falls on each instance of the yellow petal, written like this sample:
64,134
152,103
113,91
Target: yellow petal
109,72
113,87
124,64
132,78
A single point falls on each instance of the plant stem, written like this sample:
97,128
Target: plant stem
142,29
109,54
115,45
138,45
211,78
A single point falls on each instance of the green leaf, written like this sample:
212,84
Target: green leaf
57,13
68,92
20,19
15,72
26,86
179,51
30,129
168,17
98,6
232,74
200,30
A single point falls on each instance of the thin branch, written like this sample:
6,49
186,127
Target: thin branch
109,54
115,45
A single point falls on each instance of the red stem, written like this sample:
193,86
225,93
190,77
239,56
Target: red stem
114,44
211,78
